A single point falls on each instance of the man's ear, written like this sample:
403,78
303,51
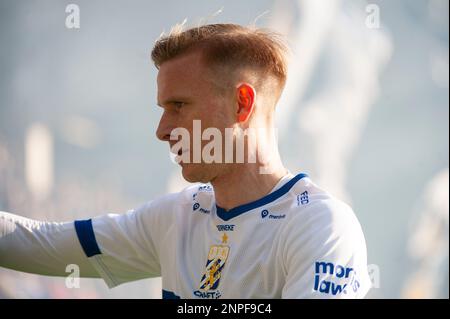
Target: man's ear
245,101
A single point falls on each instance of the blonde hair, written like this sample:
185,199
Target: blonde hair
227,45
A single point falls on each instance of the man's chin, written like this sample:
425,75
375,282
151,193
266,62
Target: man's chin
193,173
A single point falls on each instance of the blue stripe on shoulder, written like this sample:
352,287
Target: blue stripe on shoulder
86,236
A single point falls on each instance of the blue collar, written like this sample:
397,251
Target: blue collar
236,211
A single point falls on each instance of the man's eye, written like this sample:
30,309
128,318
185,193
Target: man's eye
178,105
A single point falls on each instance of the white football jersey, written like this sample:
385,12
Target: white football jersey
296,242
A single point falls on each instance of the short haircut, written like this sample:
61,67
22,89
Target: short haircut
227,45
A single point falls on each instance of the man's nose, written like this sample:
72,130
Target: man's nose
165,127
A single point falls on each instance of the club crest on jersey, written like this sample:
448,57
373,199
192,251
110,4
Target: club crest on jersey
217,257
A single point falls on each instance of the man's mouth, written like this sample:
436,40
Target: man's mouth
175,155
181,151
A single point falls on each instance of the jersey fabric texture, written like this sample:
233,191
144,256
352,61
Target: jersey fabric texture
296,242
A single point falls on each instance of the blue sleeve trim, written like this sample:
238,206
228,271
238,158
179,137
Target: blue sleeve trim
86,236
169,295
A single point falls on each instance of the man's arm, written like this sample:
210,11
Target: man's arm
43,248
116,247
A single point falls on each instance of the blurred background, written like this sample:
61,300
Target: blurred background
365,113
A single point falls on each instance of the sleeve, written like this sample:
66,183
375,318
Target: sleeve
325,254
128,247
42,248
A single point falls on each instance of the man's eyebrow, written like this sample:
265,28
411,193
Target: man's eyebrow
172,100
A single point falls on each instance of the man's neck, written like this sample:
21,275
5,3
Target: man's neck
245,184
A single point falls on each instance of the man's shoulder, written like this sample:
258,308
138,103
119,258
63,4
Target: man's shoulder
311,205
321,223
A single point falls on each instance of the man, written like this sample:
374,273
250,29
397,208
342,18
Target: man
256,231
